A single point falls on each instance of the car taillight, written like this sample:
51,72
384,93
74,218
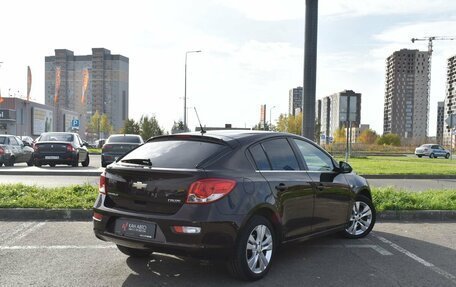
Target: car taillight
70,148
103,181
97,216
2,151
209,190
106,146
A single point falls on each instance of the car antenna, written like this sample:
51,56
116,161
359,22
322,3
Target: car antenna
201,126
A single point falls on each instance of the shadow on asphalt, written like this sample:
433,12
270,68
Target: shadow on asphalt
317,262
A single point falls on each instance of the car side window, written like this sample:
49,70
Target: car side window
13,141
280,154
315,159
260,158
435,147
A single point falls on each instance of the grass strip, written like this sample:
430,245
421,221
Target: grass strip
389,198
83,196
32,196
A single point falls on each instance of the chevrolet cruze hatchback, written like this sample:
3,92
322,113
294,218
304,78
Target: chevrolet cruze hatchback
229,194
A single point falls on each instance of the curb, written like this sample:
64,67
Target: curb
20,214
52,172
407,176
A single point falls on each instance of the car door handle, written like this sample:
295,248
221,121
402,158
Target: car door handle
281,187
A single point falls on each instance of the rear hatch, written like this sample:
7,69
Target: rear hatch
155,177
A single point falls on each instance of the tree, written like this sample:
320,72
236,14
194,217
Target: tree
368,136
149,127
98,124
290,124
340,135
131,127
261,127
179,127
389,139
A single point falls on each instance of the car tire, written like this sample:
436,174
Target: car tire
86,162
254,250
37,163
420,156
133,252
52,164
30,162
431,155
10,162
447,156
76,162
362,218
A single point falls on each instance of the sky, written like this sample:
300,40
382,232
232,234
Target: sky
252,51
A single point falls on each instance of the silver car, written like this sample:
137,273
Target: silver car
432,150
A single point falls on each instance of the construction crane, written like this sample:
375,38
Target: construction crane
430,50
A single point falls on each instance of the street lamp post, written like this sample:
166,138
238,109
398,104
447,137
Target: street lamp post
270,116
185,86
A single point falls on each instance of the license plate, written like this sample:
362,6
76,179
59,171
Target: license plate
51,157
135,228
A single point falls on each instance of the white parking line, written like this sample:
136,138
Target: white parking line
16,229
56,247
23,232
418,259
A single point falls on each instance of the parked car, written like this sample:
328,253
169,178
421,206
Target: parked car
118,145
432,150
13,150
28,140
60,148
229,194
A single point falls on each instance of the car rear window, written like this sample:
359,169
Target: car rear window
124,139
175,153
57,137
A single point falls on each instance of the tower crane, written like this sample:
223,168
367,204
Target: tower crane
430,50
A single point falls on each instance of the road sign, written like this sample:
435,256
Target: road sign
330,139
75,123
451,120
322,137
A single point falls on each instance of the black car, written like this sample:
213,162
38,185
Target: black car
118,145
14,150
231,195
60,148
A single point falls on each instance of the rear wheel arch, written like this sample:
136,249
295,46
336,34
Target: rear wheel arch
365,193
271,215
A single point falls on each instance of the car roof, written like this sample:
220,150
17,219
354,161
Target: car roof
233,136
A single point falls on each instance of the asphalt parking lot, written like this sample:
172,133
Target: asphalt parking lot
67,254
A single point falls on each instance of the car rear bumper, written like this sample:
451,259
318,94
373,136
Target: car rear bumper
63,158
216,239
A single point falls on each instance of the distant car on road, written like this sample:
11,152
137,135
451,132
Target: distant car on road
118,145
432,150
60,148
13,150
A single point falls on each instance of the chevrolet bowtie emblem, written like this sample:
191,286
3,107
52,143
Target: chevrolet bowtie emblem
139,185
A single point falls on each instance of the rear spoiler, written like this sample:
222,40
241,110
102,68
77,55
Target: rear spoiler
192,138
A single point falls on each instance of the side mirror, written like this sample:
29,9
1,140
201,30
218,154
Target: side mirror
344,167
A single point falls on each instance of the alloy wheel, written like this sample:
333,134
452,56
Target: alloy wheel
259,249
360,219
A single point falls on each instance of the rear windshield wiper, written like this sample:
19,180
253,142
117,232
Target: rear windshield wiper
142,161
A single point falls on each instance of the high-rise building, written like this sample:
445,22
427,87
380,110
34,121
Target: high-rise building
406,109
440,121
450,99
89,83
295,101
338,110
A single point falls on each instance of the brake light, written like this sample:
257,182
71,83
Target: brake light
102,187
106,147
209,190
2,151
70,148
